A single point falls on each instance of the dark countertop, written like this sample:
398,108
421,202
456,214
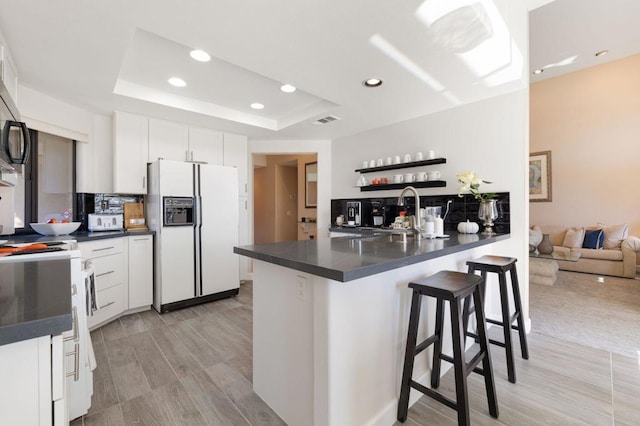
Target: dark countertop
349,258
35,298
79,236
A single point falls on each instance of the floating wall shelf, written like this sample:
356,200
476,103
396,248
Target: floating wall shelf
403,165
384,187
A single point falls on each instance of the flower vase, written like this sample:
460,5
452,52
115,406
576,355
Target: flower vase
545,246
488,212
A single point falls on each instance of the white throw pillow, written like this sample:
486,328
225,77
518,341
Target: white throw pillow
614,235
573,238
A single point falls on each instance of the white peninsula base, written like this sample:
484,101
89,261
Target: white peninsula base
331,353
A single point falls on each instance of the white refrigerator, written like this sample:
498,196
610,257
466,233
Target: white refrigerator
193,208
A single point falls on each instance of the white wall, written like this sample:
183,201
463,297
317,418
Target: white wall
489,137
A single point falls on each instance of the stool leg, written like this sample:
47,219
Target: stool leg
524,348
506,326
487,367
407,371
462,396
437,345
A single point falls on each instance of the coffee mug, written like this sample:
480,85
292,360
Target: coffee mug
435,175
409,177
380,162
421,176
419,156
398,178
407,158
431,154
372,163
365,164
340,220
396,159
388,161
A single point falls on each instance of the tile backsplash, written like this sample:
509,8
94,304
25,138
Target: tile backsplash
461,209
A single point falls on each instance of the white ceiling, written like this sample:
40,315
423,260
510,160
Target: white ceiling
118,54
566,34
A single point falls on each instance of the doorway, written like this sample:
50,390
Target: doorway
280,213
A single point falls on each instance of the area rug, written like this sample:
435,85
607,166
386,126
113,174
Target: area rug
581,309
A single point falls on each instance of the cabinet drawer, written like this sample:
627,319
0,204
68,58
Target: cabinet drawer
93,249
109,271
111,303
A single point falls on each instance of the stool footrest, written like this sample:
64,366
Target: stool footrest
428,341
435,395
492,341
471,365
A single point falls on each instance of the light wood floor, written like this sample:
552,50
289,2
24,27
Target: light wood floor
193,366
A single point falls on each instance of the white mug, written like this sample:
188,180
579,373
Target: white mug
380,162
407,158
419,156
431,154
397,179
396,159
372,163
339,220
409,177
435,175
421,176
388,161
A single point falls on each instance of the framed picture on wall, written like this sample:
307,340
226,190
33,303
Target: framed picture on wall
540,176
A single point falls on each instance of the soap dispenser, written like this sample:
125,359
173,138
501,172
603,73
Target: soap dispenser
438,225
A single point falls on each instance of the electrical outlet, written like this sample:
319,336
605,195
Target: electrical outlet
301,287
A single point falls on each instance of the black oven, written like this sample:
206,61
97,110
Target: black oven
177,211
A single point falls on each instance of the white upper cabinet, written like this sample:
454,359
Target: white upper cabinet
235,155
9,73
131,150
206,145
168,140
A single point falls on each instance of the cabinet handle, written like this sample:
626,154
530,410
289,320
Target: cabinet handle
105,273
186,155
108,304
103,248
140,239
74,326
144,182
74,290
76,363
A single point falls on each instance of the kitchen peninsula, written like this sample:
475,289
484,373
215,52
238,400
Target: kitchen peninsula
330,320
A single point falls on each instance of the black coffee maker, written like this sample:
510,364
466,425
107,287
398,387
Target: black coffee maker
377,213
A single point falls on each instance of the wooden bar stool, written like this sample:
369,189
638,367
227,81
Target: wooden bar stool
453,287
501,265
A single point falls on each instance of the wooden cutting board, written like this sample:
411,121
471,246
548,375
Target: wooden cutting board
134,216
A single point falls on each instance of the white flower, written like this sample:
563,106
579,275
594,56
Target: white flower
470,184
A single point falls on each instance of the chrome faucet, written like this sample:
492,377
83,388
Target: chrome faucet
417,223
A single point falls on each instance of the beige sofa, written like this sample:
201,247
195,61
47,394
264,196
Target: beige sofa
618,258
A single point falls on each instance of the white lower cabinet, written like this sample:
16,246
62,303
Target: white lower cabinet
140,271
110,262
123,275
33,390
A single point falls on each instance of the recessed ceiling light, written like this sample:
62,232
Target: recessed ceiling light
257,105
178,82
602,53
200,55
372,82
287,88
540,71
